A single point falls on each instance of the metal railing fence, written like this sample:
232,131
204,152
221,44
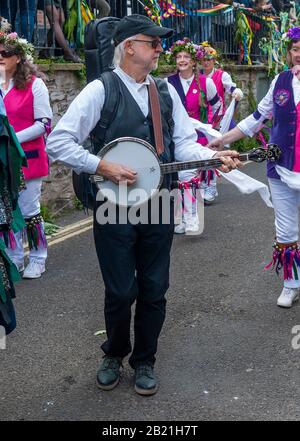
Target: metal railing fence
37,21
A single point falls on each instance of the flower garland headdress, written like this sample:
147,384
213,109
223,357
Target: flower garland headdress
206,51
292,34
185,45
20,45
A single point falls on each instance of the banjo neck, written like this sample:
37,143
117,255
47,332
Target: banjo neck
140,156
200,164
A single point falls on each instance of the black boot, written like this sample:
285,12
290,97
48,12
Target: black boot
145,381
108,374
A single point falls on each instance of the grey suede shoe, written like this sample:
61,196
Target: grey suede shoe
108,374
145,381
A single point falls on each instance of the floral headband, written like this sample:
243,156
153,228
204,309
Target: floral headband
21,45
185,45
292,34
206,51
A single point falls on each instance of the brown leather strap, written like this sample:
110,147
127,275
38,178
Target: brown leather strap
279,246
156,117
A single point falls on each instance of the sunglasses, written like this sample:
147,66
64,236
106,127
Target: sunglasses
6,54
154,43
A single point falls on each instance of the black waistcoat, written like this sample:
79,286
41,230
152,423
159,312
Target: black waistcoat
130,121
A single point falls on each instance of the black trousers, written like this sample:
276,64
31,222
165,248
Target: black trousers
134,261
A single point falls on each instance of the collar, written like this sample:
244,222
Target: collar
127,78
211,73
296,81
10,86
187,80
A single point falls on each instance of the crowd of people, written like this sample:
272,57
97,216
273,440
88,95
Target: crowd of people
22,15
273,7
134,258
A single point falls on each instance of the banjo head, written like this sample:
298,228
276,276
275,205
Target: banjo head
141,157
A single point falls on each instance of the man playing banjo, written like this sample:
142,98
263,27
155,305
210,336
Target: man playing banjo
134,259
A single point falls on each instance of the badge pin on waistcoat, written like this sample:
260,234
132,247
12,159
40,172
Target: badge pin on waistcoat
195,91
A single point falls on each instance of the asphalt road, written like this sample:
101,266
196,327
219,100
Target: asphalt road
225,351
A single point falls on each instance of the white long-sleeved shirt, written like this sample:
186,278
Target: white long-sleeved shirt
227,82
64,144
41,109
249,126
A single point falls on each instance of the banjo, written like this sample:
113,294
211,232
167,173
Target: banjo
142,157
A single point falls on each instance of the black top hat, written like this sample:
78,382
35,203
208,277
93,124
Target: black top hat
139,24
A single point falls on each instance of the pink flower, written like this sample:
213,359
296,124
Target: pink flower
12,36
200,53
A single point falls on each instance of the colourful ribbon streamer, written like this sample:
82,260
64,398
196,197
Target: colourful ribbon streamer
215,10
158,11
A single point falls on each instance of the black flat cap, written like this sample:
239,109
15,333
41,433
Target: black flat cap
139,24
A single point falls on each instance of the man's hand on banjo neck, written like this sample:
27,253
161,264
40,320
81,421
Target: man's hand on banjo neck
230,159
116,172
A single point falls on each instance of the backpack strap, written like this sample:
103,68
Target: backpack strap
109,110
83,188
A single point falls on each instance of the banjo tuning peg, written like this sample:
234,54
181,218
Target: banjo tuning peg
258,155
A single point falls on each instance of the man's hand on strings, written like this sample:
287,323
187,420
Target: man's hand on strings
116,173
